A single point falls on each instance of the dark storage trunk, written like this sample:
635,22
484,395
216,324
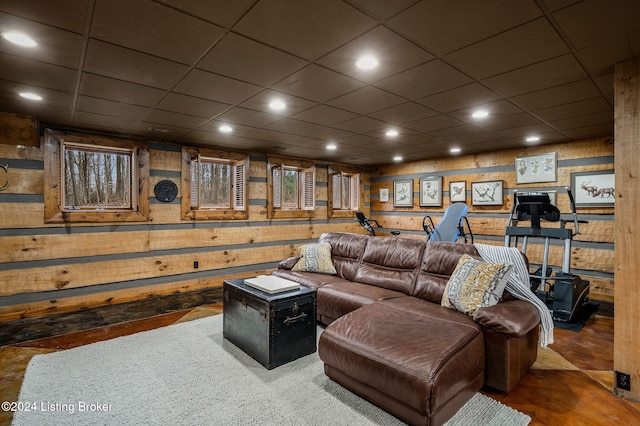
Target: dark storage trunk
272,328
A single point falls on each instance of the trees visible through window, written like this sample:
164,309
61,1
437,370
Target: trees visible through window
97,177
346,191
291,188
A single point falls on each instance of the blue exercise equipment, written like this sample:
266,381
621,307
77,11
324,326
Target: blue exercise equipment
453,226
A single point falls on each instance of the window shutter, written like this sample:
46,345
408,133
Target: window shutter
308,184
355,192
276,175
239,186
195,180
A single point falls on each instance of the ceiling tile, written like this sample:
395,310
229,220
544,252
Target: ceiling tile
382,9
464,134
469,95
243,59
167,118
313,28
361,125
366,100
433,123
557,95
408,111
424,80
554,72
262,100
582,121
36,74
55,46
590,131
442,26
527,44
190,105
304,128
497,109
521,133
98,86
267,135
394,54
215,87
116,109
124,64
213,126
103,122
153,28
151,129
590,106
324,114
600,58
54,13
9,90
317,83
56,110
221,12
507,122
248,117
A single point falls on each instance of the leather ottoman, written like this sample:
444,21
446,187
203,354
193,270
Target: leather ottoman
415,359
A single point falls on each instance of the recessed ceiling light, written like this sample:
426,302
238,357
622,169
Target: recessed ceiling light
397,158
455,150
31,96
19,38
225,128
367,62
481,113
332,147
533,139
277,105
392,133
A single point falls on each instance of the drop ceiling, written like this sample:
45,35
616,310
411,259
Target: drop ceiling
175,70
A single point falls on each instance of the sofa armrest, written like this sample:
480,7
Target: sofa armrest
512,317
288,263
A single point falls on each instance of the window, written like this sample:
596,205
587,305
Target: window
95,179
345,191
291,189
216,186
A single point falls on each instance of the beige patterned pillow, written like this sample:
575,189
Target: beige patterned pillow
475,284
315,258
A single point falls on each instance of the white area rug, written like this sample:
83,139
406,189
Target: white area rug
187,374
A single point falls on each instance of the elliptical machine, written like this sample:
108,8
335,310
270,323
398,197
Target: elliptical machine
565,293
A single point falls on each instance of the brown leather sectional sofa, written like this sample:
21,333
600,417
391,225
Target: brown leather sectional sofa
389,340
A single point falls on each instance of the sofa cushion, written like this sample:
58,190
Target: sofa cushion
340,297
315,258
438,263
475,284
391,262
346,251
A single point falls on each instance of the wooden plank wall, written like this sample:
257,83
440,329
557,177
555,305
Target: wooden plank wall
48,268
592,255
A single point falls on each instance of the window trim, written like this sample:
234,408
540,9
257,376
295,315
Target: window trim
233,213
54,211
340,170
304,168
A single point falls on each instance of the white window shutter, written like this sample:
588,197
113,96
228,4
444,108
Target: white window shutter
276,174
355,192
337,191
195,180
308,201
239,186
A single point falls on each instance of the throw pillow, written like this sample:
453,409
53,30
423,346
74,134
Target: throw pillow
475,284
315,258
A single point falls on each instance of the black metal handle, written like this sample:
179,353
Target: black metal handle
290,320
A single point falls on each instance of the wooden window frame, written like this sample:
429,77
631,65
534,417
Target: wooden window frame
306,167
54,211
342,170
240,206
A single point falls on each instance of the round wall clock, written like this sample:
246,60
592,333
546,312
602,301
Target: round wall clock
166,191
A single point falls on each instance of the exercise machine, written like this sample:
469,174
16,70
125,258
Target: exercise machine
453,226
367,223
565,293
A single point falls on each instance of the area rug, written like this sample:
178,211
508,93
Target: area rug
188,374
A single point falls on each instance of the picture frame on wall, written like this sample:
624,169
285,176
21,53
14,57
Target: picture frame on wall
384,195
594,189
403,193
431,192
458,191
489,193
537,168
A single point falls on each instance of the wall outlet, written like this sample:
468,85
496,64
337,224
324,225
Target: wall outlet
623,381
195,264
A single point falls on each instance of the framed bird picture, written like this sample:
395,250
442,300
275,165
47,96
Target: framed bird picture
458,191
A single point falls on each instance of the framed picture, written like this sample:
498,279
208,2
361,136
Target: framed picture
593,189
458,191
431,192
384,195
487,193
403,193
537,168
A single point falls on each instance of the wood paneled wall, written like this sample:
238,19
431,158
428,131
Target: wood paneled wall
49,268
592,255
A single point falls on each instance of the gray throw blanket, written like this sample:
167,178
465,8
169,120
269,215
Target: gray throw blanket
518,284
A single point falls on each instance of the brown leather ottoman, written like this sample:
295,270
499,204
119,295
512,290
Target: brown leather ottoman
414,359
